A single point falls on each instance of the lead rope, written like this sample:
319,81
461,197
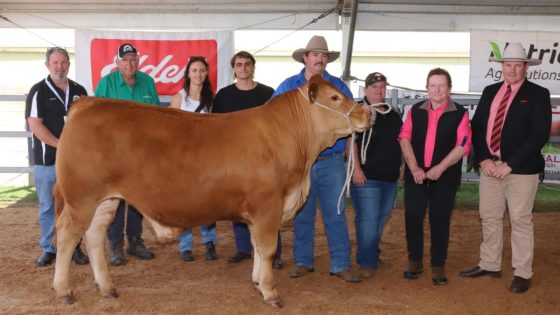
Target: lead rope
350,165
369,132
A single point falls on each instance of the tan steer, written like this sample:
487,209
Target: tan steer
258,172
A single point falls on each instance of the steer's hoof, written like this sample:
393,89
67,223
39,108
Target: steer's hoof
113,294
68,299
257,288
275,302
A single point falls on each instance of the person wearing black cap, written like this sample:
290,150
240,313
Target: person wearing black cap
374,181
127,84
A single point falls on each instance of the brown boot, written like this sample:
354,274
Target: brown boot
136,248
348,276
116,253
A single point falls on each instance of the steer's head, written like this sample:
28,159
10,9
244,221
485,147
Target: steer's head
334,108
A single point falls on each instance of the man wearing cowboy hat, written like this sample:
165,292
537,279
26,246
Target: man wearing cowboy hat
510,126
327,177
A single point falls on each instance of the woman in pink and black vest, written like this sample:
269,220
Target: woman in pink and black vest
434,138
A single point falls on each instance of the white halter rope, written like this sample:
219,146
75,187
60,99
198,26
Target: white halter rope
369,132
350,164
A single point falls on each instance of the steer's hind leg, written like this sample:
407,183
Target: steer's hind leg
68,233
266,237
257,259
95,239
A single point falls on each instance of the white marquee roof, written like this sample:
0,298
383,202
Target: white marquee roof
391,15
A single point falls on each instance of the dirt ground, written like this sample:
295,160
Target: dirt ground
166,285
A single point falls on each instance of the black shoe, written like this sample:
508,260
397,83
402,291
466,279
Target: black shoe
476,272
238,257
519,285
211,251
116,253
277,264
46,258
136,248
79,257
414,270
187,256
438,276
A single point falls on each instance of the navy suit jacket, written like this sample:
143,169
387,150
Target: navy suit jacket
526,128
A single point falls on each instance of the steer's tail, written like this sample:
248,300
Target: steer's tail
58,201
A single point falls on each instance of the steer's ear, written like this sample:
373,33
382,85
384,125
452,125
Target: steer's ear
313,91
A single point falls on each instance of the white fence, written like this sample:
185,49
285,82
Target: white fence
17,154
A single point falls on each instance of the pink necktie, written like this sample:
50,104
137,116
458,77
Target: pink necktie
499,121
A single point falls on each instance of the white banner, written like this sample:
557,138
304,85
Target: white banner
538,45
163,56
551,163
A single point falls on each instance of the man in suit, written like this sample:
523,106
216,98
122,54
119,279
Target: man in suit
510,126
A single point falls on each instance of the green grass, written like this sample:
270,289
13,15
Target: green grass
552,148
18,194
547,200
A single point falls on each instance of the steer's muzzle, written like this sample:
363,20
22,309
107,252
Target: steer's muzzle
360,118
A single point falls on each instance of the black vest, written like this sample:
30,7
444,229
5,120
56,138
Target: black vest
446,137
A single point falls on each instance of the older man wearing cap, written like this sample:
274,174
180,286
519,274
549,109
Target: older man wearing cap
510,126
127,84
374,181
327,177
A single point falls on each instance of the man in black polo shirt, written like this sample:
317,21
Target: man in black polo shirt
46,111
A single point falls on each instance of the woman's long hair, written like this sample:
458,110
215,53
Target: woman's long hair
206,93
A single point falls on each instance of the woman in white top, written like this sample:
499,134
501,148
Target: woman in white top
196,96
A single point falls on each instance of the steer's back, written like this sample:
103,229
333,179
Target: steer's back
179,168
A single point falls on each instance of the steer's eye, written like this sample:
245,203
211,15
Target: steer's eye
335,98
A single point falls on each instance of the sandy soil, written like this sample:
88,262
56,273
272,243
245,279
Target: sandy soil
166,285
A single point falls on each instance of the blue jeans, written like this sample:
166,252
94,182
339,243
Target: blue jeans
45,178
327,180
208,233
243,239
373,204
133,224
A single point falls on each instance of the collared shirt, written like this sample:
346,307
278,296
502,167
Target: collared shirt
297,80
114,86
494,109
463,132
51,104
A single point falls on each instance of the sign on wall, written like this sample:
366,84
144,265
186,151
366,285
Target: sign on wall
163,56
539,45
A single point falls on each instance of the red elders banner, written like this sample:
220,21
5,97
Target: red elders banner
163,56
163,60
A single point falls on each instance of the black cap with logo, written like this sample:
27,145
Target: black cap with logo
375,77
126,49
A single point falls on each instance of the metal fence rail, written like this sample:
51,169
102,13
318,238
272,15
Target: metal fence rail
399,104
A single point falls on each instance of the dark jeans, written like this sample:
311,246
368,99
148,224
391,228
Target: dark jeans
243,239
440,195
133,224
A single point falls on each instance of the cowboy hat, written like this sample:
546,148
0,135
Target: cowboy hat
515,52
318,44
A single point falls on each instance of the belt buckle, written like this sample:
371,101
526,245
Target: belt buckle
495,158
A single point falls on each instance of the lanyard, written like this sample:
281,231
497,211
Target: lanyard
65,103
